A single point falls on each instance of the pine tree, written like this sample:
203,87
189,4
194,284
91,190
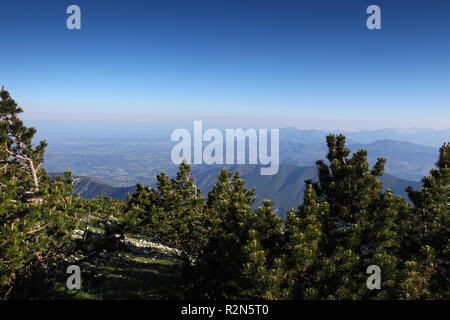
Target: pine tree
307,265
37,215
172,213
106,214
18,156
359,228
241,255
217,272
264,271
426,235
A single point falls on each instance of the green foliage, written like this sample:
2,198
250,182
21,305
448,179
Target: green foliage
307,265
37,215
239,258
322,251
104,215
344,225
224,248
171,214
264,271
426,235
218,271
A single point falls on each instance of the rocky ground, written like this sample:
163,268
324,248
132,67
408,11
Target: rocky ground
140,269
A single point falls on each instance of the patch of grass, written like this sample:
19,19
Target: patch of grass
130,272
126,275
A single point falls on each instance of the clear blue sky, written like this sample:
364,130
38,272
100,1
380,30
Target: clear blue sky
309,64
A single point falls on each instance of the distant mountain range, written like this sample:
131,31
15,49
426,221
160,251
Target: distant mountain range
285,188
423,136
129,160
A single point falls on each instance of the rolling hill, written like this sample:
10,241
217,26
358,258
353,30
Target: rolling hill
89,188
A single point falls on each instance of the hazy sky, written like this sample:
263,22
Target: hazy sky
309,64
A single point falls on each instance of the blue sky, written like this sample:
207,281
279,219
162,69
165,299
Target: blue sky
309,64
